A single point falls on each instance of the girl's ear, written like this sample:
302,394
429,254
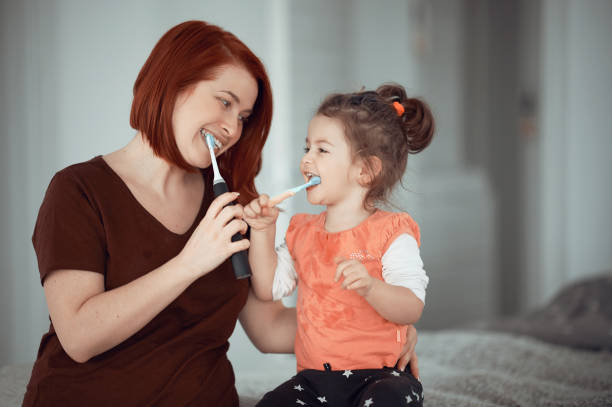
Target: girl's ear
370,169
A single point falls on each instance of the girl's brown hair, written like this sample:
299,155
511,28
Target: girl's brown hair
188,53
374,128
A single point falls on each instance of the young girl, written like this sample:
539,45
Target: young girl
360,274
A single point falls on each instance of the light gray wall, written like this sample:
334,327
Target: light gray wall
571,196
66,76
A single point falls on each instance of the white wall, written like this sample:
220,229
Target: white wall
572,226
68,68
66,77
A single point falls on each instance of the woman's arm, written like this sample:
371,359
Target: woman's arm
269,325
89,320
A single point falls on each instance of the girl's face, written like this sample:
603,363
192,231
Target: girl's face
328,155
219,106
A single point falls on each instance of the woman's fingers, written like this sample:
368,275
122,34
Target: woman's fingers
414,365
220,203
235,226
230,212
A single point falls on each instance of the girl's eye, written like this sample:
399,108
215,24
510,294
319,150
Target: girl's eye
243,119
306,149
322,150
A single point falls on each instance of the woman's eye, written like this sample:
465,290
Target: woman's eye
225,102
306,149
322,150
243,119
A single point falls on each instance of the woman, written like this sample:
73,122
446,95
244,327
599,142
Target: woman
133,249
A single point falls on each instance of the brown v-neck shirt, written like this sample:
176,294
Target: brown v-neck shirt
89,220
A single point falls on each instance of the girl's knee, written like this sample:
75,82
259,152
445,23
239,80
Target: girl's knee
393,392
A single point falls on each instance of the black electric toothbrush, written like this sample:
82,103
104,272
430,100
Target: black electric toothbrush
240,261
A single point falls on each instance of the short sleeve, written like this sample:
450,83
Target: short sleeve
400,223
69,233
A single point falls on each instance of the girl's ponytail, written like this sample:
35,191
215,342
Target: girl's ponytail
415,115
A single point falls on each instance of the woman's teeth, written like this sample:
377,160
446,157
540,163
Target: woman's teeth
217,143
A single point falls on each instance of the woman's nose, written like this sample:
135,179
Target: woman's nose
230,126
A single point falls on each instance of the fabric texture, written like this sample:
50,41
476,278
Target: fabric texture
580,315
335,325
89,220
401,266
347,388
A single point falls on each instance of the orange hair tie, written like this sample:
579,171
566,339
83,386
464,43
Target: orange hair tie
398,108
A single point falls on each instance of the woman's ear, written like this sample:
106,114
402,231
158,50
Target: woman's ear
370,168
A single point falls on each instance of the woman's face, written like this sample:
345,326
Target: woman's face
219,106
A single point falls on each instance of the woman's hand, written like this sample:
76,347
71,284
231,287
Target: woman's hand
211,242
408,354
259,214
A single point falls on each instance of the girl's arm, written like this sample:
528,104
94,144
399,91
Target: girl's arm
269,325
262,256
400,297
89,320
394,303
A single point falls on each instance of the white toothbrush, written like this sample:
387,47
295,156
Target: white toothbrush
240,262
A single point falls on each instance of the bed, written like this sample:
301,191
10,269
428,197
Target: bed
559,355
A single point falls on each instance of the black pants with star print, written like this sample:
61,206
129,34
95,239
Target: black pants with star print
347,388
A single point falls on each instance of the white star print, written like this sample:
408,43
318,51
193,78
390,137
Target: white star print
322,399
408,399
368,402
394,373
300,402
347,373
298,387
415,395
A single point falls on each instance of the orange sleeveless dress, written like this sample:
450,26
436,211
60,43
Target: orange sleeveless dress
335,325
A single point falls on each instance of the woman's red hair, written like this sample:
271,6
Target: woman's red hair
188,53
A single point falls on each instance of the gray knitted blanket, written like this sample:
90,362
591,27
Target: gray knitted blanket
477,368
458,368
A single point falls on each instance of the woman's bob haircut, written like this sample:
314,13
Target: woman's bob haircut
188,53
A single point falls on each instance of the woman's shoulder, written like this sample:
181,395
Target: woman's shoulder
94,167
88,174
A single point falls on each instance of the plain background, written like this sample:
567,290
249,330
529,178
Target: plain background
513,196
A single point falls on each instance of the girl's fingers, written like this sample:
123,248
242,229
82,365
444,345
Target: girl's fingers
248,212
356,284
263,200
255,206
343,264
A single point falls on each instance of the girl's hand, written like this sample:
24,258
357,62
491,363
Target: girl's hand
211,242
408,354
259,214
356,276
